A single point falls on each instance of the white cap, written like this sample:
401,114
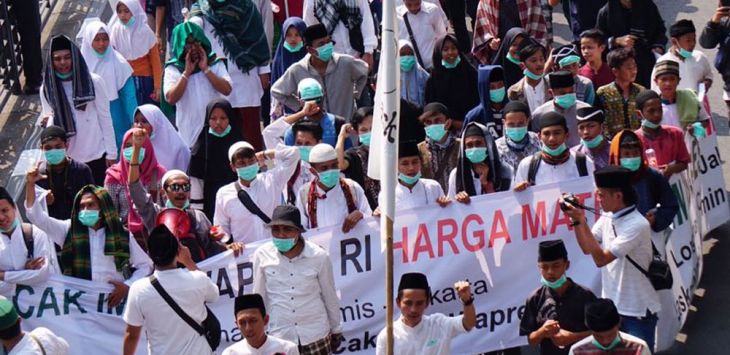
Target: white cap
321,153
173,173
236,146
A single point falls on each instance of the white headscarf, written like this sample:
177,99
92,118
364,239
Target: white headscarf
112,67
170,150
133,41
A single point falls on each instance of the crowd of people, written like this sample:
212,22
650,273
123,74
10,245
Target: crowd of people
178,131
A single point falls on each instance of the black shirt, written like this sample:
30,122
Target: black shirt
544,304
509,16
64,185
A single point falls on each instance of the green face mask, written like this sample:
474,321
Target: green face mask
632,164
304,151
248,173
648,124
325,52
130,22
516,134
102,54
554,152
407,62
613,344
365,138
436,131
512,59
684,53
11,228
89,218
497,95
530,75
555,284
169,204
329,178
595,142
453,65
220,135
55,156
127,152
699,130
284,245
566,101
409,180
476,155
293,49
63,76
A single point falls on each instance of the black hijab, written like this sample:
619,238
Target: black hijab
210,153
456,88
512,71
498,174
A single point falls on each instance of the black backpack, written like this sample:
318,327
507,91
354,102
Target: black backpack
580,162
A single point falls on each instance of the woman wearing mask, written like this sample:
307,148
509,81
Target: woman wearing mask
171,151
413,77
289,51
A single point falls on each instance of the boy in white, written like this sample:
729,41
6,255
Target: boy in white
190,288
694,67
417,334
330,199
252,320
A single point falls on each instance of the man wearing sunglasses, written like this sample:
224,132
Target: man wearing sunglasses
176,186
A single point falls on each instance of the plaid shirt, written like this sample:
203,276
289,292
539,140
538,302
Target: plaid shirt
487,24
620,113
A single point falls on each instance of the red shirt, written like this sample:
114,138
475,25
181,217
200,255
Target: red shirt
604,76
668,144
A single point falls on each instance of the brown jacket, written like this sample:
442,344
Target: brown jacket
516,92
446,160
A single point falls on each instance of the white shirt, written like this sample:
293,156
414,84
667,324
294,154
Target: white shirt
190,109
14,255
670,116
547,173
692,70
625,337
332,207
622,282
274,135
246,87
535,95
94,131
166,332
427,25
299,293
52,344
103,267
452,184
341,34
265,190
430,336
424,192
272,345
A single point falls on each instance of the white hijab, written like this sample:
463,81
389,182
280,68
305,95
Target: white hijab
112,67
133,41
170,150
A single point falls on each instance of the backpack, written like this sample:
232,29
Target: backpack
580,162
27,230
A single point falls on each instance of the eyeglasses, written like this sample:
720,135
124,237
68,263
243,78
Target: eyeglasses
178,187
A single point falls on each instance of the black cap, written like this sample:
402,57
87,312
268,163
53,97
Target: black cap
552,250
314,32
436,107
561,79
286,215
613,177
552,118
408,149
59,43
253,300
413,280
682,27
52,132
516,106
645,96
590,113
474,130
162,245
601,315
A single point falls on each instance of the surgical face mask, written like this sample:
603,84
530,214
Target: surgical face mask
554,152
436,132
566,101
304,151
89,218
63,76
169,204
632,164
516,134
295,48
592,143
530,75
648,124
365,138
476,155
568,61
219,135
409,180
555,284
684,53
613,344
407,62
248,173
699,130
103,54
325,52
329,178
55,156
497,95
284,245
12,226
512,59
128,154
448,65
131,22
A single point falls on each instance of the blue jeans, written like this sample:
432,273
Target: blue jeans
643,328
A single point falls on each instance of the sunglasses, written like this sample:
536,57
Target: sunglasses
178,188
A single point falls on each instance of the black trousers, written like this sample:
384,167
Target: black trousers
27,14
98,170
456,12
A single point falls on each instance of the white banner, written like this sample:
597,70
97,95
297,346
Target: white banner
492,242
